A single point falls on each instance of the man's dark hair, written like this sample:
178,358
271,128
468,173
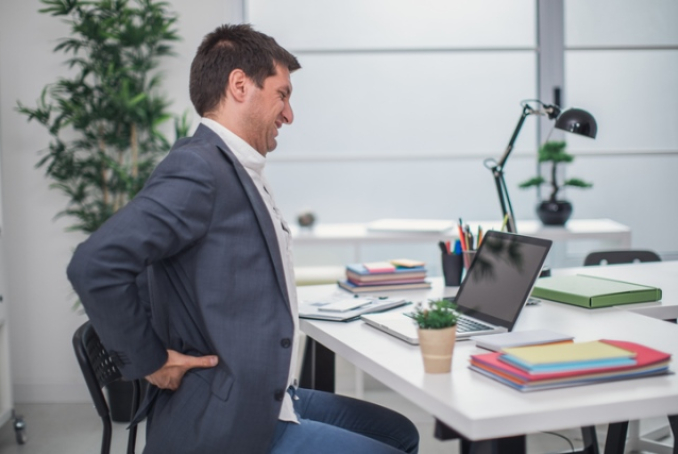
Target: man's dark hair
232,47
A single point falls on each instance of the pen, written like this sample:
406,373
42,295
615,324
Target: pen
447,246
480,235
468,238
442,247
503,224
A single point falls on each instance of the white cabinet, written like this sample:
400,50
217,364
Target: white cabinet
6,401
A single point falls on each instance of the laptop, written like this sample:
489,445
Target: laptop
496,287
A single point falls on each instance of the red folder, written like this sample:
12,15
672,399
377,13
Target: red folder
645,357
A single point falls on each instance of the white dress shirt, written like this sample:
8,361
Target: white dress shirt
254,163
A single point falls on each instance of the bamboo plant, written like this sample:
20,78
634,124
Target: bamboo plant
105,120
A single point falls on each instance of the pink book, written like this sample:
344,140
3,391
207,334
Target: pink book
395,280
379,267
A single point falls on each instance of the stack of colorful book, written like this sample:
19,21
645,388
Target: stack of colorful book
570,364
401,274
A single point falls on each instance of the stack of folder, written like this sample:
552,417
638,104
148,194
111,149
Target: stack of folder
570,364
401,274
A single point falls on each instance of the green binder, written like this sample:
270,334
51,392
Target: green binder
592,291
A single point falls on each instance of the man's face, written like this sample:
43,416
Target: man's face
269,108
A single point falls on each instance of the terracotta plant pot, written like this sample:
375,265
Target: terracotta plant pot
437,346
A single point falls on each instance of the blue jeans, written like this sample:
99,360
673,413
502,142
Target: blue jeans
331,424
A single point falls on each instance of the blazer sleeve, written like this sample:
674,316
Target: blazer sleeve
171,212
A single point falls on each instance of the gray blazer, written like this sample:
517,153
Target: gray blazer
216,285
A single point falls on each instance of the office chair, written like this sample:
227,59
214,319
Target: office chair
623,256
99,370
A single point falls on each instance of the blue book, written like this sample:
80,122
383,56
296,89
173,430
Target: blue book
354,288
567,366
359,268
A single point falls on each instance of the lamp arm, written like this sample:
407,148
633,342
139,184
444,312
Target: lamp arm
527,110
498,173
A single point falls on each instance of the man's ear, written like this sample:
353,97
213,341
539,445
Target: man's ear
238,84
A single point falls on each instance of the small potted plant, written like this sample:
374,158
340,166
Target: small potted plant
554,211
437,329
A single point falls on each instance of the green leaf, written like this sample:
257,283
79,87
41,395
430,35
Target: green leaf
536,181
438,314
576,182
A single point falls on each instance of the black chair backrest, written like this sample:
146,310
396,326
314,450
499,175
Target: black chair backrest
99,370
623,256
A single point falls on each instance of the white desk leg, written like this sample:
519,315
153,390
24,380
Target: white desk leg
633,436
647,442
358,374
626,242
359,383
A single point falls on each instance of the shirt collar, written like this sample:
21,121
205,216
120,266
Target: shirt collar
249,157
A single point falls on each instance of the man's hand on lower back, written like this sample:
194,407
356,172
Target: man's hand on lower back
170,375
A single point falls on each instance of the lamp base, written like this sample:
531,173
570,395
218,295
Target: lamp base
554,213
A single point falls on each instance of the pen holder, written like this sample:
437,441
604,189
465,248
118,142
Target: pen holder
452,268
468,258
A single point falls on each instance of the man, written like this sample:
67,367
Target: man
220,341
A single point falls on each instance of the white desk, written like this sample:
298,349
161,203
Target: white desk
357,235
480,408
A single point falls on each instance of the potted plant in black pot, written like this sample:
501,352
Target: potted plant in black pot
105,120
554,211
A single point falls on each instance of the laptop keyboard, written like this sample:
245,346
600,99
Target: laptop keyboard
465,325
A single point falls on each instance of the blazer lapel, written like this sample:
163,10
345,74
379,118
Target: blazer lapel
258,206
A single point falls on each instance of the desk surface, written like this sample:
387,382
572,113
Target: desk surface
601,229
481,408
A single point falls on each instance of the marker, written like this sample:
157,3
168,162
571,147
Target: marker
462,237
457,247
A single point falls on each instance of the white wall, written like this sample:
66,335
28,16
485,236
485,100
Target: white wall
37,247
636,190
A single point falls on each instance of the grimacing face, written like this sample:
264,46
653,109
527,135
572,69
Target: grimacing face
269,109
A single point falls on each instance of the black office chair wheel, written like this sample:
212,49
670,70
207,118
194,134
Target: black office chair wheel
20,430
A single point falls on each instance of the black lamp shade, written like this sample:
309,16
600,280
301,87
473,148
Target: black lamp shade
578,121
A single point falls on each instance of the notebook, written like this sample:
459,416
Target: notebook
494,291
342,309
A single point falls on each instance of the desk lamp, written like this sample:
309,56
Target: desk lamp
577,121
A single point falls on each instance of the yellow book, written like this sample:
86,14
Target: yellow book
407,263
568,352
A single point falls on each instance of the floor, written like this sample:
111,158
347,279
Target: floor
76,429
63,428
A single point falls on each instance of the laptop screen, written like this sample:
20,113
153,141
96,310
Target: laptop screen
501,277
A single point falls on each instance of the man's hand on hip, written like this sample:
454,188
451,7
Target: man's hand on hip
170,375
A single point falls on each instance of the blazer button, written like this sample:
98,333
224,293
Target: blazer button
279,394
286,342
